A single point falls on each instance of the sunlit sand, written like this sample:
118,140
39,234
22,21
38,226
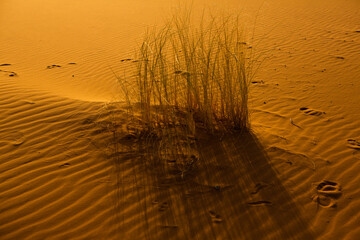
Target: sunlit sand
84,154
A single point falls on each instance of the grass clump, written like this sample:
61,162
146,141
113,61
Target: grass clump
187,76
200,70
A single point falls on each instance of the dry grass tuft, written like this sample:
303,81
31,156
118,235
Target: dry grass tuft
191,75
200,70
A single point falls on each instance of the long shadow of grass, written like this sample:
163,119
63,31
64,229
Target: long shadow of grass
231,193
268,198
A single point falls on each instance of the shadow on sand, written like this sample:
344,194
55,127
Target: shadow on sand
233,193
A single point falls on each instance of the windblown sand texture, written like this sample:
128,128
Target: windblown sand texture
69,161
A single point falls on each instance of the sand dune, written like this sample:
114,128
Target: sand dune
53,180
65,173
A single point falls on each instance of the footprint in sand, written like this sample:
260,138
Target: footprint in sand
10,73
324,201
326,194
312,112
353,143
125,60
53,66
5,64
261,82
164,206
216,218
258,187
329,188
64,165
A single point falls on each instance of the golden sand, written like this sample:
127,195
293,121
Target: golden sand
63,175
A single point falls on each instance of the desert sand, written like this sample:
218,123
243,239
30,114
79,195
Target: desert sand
65,173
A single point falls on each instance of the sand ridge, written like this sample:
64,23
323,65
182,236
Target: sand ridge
51,179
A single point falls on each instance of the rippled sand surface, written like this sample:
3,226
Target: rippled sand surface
296,176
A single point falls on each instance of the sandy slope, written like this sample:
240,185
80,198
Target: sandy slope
54,181
62,176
